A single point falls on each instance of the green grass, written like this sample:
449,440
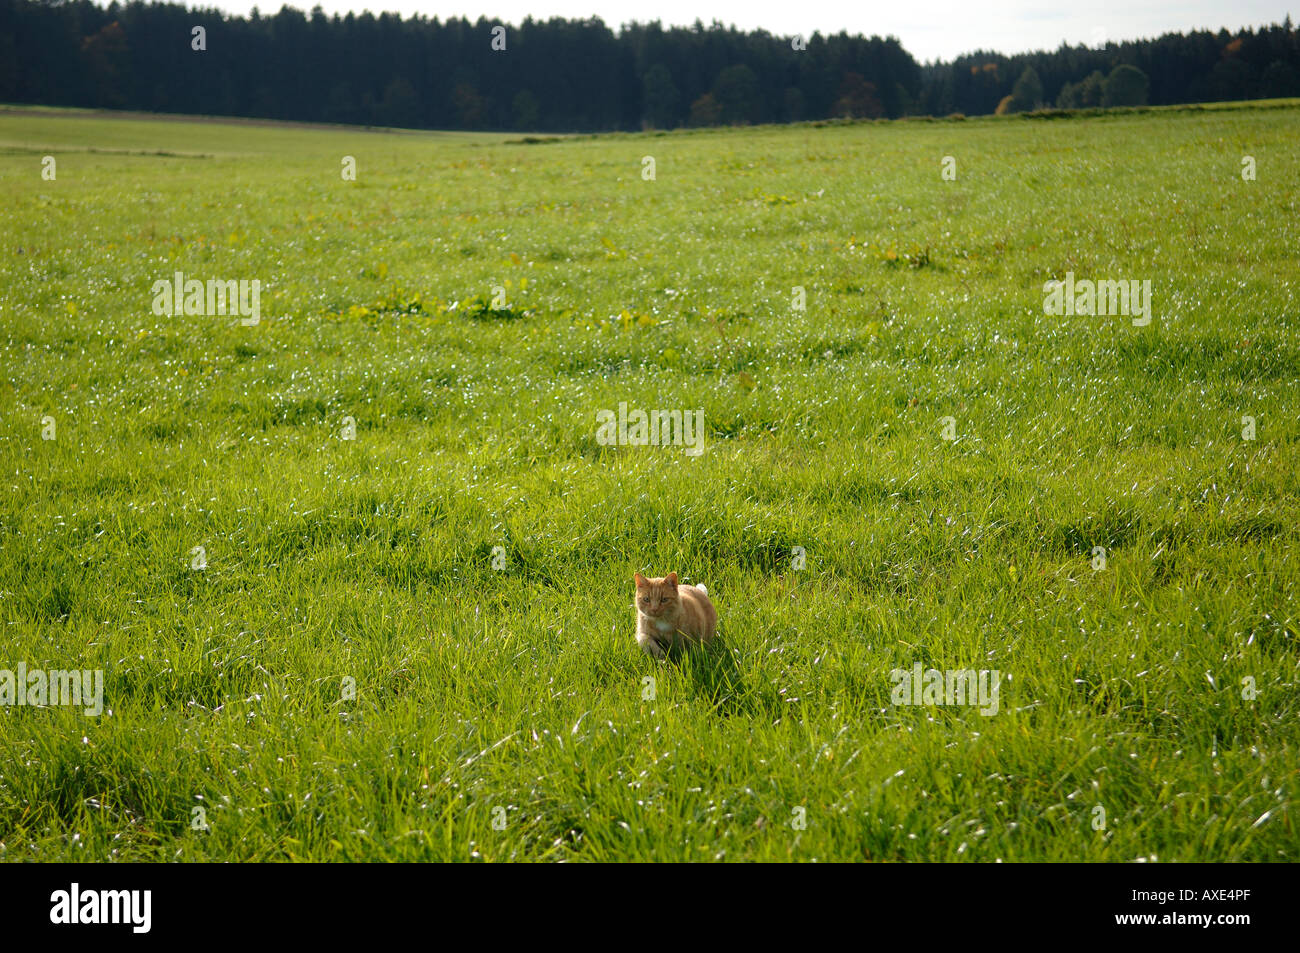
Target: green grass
372,559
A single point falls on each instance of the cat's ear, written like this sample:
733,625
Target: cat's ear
640,580
671,579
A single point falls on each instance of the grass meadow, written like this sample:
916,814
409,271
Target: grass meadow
412,635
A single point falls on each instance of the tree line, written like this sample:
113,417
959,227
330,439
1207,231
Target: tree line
1196,67
578,75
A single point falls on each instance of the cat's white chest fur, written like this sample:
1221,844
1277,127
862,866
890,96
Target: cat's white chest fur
663,627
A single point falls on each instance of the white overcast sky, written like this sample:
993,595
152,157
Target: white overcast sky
928,29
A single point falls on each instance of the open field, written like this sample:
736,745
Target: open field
841,534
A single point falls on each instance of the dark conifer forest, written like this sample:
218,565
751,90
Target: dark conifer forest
580,75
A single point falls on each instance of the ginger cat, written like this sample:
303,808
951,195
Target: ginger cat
668,614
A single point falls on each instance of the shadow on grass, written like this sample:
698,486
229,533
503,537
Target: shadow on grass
713,672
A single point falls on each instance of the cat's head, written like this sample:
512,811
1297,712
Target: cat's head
657,597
